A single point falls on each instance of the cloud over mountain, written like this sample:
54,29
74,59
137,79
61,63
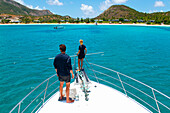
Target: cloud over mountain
54,2
159,4
87,10
107,3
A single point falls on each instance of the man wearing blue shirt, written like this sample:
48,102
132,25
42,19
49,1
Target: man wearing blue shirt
63,68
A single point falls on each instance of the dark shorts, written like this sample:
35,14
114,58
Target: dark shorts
81,56
65,78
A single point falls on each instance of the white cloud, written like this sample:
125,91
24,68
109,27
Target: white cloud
104,5
53,12
159,4
87,10
153,11
38,8
107,3
23,3
119,1
83,16
44,8
20,1
29,6
150,11
54,2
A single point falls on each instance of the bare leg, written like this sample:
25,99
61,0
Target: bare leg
61,90
81,63
67,93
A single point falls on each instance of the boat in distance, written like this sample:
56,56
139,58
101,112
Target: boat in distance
95,94
59,27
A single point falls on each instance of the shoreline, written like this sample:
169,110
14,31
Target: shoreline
83,24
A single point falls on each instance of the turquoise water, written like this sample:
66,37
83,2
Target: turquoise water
138,51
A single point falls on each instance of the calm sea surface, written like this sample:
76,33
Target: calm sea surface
140,52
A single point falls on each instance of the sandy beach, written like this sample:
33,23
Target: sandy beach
82,24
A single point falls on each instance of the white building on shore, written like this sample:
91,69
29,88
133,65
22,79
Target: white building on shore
115,20
37,21
15,21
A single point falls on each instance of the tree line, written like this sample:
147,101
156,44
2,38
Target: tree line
59,19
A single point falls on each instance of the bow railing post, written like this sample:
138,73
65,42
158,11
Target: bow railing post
45,92
122,83
156,101
19,107
92,70
75,64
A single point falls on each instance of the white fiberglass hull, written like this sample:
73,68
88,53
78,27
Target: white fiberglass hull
101,99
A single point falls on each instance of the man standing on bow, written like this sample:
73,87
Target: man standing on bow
63,68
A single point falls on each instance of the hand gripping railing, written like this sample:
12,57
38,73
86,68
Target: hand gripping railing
42,101
157,102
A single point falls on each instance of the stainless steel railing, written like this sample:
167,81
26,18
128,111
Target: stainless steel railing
127,92
90,66
43,91
47,86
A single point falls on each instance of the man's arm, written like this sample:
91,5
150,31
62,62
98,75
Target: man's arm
71,71
78,52
55,66
70,67
85,51
56,71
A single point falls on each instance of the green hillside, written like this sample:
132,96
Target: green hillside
12,7
122,11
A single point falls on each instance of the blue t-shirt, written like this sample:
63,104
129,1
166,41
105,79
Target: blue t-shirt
62,63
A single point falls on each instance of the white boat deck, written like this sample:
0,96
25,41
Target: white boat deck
101,99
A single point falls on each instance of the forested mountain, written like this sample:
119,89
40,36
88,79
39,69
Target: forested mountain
15,8
122,11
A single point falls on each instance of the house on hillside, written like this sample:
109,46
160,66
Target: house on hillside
65,20
67,17
62,20
140,21
37,21
126,20
76,20
15,21
115,20
16,18
3,17
98,20
151,21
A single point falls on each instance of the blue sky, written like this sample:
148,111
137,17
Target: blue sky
92,8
